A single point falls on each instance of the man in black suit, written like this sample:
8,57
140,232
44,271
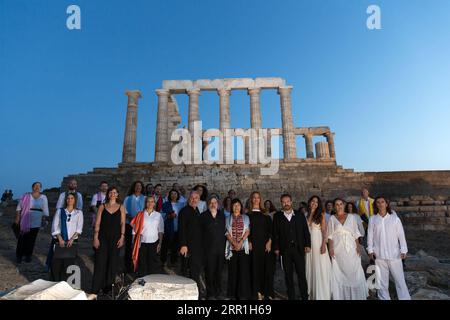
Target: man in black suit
291,239
190,238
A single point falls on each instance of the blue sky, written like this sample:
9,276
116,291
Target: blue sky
386,93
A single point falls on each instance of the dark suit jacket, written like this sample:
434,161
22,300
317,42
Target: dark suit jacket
280,236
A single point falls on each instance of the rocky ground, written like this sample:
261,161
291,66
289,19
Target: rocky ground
427,268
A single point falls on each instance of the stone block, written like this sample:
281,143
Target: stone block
164,287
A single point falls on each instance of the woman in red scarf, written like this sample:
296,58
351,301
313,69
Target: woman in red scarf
148,230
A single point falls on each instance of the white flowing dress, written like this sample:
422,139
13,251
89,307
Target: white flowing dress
348,281
318,267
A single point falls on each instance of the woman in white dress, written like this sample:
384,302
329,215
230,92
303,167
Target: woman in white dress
318,264
348,281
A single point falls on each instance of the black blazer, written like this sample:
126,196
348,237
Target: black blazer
281,230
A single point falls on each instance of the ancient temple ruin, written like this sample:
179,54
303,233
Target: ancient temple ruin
168,119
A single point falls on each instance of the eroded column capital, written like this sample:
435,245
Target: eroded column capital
286,90
133,96
254,91
193,92
162,92
224,92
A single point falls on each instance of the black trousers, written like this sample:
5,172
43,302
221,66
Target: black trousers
59,269
192,266
213,274
170,243
128,260
270,262
107,265
292,258
239,276
262,272
26,242
148,262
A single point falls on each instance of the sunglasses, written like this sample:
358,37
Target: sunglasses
69,216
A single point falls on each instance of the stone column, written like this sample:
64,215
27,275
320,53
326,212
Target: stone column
225,123
322,150
309,145
255,107
289,146
251,143
162,134
129,140
194,116
330,140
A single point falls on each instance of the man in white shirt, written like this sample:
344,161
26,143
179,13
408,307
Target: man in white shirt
72,189
97,200
386,244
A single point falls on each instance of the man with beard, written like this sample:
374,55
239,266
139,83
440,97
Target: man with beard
291,239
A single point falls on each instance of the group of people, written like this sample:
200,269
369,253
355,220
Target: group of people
7,195
321,243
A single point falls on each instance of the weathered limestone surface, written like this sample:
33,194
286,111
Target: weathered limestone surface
46,290
164,287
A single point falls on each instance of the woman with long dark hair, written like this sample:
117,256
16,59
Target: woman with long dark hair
109,237
318,264
348,281
261,247
66,228
387,246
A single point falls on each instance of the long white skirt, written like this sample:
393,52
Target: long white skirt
318,267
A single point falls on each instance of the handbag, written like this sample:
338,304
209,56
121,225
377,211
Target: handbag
65,252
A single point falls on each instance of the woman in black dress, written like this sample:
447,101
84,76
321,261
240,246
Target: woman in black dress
261,246
109,237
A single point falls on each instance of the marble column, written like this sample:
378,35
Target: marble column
322,150
225,123
255,107
330,140
309,145
162,134
129,140
252,142
194,116
289,147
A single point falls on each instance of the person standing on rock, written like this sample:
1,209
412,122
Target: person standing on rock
109,237
97,200
291,240
66,227
148,230
190,239
386,244
133,203
213,230
31,210
348,281
237,252
261,247
72,188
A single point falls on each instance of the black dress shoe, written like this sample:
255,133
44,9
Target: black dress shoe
28,259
